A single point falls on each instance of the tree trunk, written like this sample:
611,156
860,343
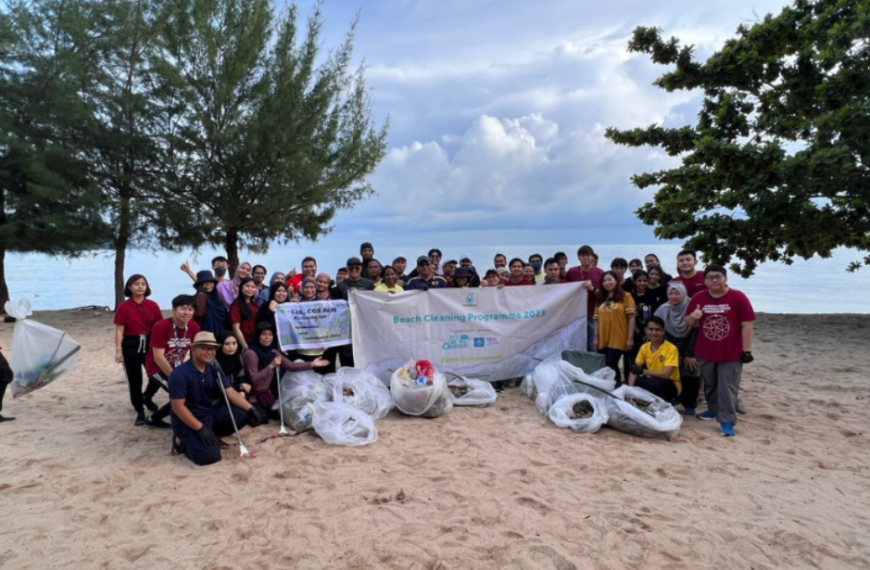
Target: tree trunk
232,245
121,241
4,289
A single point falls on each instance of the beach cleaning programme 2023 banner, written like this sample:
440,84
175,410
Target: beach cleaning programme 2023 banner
312,325
488,333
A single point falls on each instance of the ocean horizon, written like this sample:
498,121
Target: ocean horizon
813,286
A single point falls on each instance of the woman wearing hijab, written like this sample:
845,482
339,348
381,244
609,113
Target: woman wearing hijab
229,290
262,360
684,337
263,296
229,358
323,282
278,293
307,291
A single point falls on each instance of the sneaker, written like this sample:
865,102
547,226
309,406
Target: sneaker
159,424
741,407
149,403
708,415
689,412
140,419
728,429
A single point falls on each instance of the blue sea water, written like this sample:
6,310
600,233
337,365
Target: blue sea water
813,286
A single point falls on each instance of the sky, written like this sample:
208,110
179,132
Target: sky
497,113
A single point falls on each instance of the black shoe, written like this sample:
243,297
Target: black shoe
6,418
140,419
149,403
160,424
178,448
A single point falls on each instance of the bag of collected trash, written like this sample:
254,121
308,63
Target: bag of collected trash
420,390
542,378
40,353
583,413
471,392
563,386
361,390
602,379
527,386
341,424
299,392
588,362
639,412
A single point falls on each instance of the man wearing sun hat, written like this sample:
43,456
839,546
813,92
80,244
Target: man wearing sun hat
199,413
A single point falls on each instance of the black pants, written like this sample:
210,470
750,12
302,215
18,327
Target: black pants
221,424
611,360
6,376
155,383
134,349
691,388
664,389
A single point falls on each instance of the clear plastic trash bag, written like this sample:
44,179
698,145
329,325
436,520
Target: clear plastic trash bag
471,392
657,418
341,424
361,390
581,412
422,397
299,392
40,354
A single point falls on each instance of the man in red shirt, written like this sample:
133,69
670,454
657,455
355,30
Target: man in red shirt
170,342
552,270
691,279
309,269
725,321
516,273
591,275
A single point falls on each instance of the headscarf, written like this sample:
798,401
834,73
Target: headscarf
674,316
265,354
230,363
325,295
302,288
229,289
265,314
265,293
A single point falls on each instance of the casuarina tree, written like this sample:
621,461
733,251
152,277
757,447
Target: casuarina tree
778,164
276,136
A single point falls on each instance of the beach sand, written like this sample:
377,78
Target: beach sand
502,487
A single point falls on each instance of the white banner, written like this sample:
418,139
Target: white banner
487,333
312,325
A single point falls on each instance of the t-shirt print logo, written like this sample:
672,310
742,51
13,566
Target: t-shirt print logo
717,327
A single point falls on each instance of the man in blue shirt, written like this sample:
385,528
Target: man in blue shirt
426,278
199,413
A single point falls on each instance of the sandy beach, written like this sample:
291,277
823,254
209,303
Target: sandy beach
502,487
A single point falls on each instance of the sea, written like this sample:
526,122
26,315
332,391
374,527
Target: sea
51,283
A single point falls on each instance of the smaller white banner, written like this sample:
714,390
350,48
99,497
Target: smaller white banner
312,325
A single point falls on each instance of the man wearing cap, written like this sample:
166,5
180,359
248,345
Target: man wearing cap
354,279
170,341
400,264
366,251
200,414
426,278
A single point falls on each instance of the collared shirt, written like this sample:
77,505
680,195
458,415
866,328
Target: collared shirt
434,282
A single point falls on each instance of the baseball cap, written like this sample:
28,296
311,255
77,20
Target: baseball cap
423,260
353,261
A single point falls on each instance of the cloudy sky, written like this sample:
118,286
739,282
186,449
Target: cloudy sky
498,108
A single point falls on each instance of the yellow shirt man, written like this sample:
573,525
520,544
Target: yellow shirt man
666,355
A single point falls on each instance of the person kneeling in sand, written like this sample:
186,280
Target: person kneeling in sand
199,412
657,368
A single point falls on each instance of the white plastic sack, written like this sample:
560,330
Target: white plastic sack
361,390
660,419
564,413
425,398
40,353
544,377
299,392
561,387
527,386
471,392
340,424
604,379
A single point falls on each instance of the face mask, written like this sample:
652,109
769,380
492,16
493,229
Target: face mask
536,265
220,271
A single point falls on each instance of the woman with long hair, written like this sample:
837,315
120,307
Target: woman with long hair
210,313
615,318
134,320
243,312
229,289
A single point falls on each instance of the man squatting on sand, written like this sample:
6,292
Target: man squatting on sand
670,334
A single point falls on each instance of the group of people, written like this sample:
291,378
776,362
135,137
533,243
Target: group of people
218,350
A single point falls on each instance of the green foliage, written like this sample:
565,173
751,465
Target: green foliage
275,137
778,164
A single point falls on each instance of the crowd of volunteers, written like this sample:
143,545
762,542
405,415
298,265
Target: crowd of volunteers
670,334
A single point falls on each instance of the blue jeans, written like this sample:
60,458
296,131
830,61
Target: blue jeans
590,334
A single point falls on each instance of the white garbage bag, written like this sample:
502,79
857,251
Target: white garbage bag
418,395
639,412
471,392
581,412
341,424
604,379
299,392
40,353
361,390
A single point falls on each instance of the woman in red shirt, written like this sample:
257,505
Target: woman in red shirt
134,320
243,312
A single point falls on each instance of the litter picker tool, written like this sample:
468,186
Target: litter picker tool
282,432
243,451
